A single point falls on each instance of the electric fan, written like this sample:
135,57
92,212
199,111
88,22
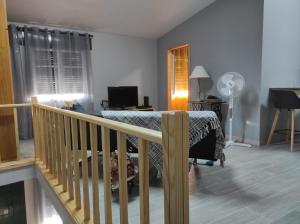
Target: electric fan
231,85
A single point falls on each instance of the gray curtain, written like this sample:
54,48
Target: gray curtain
50,64
22,79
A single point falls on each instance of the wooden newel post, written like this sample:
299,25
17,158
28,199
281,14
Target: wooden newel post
35,124
175,132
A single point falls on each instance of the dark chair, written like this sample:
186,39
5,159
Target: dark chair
284,99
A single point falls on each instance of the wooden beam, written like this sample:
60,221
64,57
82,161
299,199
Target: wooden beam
16,164
9,146
175,174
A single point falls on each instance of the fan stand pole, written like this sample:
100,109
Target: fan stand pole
230,141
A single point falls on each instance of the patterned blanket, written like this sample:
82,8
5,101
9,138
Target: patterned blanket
201,123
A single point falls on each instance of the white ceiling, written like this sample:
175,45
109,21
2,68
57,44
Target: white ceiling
141,18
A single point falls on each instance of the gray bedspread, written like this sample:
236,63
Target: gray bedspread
201,123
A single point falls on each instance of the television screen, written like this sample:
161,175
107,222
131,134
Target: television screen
123,96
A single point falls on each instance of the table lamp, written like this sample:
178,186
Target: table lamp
199,73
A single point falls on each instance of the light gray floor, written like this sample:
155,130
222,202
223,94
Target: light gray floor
258,185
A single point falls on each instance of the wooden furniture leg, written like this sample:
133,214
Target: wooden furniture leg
292,129
288,125
276,118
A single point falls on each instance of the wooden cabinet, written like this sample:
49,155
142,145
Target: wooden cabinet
8,129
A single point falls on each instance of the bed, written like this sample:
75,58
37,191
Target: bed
206,136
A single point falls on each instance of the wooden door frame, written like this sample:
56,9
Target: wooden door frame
188,45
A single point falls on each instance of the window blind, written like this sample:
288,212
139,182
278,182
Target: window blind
48,77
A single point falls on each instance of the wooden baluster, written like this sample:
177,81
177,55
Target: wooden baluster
46,137
53,144
36,132
106,174
95,172
39,131
69,157
85,175
63,149
144,181
58,148
15,113
49,132
42,139
74,126
122,167
36,127
42,134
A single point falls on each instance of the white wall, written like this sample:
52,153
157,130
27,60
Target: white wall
122,60
280,54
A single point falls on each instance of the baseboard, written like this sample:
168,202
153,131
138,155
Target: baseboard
253,142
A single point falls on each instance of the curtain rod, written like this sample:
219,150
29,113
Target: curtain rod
21,28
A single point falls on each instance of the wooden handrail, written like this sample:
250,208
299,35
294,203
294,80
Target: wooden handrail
140,132
7,106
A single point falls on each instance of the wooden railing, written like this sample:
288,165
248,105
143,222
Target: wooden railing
58,154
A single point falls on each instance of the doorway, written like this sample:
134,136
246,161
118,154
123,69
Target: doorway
178,77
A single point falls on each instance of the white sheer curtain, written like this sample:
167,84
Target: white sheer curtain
51,64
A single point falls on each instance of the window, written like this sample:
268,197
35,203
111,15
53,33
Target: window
45,69
48,73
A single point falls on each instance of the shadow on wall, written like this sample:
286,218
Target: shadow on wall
249,100
205,86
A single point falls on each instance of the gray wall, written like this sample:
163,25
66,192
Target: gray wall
122,60
226,36
281,53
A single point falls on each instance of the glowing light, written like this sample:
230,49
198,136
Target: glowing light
53,219
60,97
180,94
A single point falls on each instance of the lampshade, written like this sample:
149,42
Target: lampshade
199,72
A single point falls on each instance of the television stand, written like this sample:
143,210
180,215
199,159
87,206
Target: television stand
105,105
150,108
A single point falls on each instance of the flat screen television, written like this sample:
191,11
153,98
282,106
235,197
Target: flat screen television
123,96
